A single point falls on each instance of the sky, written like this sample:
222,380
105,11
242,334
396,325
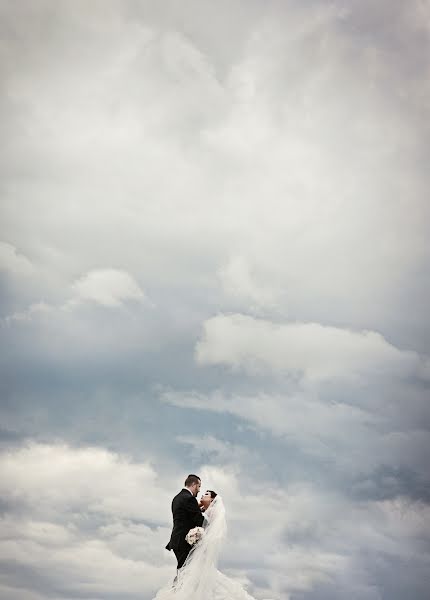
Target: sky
214,259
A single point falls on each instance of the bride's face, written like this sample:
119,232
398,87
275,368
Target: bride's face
206,499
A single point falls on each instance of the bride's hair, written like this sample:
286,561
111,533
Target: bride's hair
212,493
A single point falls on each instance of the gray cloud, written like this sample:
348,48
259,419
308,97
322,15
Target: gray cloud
214,258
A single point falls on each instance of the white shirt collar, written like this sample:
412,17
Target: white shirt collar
188,491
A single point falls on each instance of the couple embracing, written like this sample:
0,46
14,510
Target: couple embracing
187,514
199,527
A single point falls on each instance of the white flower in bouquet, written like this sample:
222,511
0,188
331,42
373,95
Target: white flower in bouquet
194,535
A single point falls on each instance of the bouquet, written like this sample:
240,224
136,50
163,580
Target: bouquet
194,535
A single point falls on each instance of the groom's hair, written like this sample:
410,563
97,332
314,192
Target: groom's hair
191,480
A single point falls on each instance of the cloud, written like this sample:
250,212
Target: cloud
330,543
299,416
31,311
351,444
62,559
241,282
109,287
13,261
87,479
309,349
259,171
331,395
316,171
83,521
104,287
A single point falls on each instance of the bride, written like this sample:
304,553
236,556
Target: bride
199,578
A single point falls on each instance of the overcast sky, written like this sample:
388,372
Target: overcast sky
214,258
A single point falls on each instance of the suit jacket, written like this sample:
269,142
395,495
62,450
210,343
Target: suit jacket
186,516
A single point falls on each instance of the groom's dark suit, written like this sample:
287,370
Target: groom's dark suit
186,516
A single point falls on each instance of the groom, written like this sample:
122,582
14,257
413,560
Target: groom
186,515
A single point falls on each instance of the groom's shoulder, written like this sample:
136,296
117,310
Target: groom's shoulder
181,494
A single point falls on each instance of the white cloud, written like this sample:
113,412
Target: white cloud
105,287
26,315
314,173
80,480
81,520
109,287
241,282
13,261
310,349
76,562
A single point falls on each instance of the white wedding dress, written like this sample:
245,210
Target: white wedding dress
199,578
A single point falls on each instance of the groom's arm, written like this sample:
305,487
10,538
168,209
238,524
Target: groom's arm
194,511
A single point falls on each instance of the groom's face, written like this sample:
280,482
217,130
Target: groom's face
196,488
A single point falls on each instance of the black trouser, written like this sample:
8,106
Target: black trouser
181,553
